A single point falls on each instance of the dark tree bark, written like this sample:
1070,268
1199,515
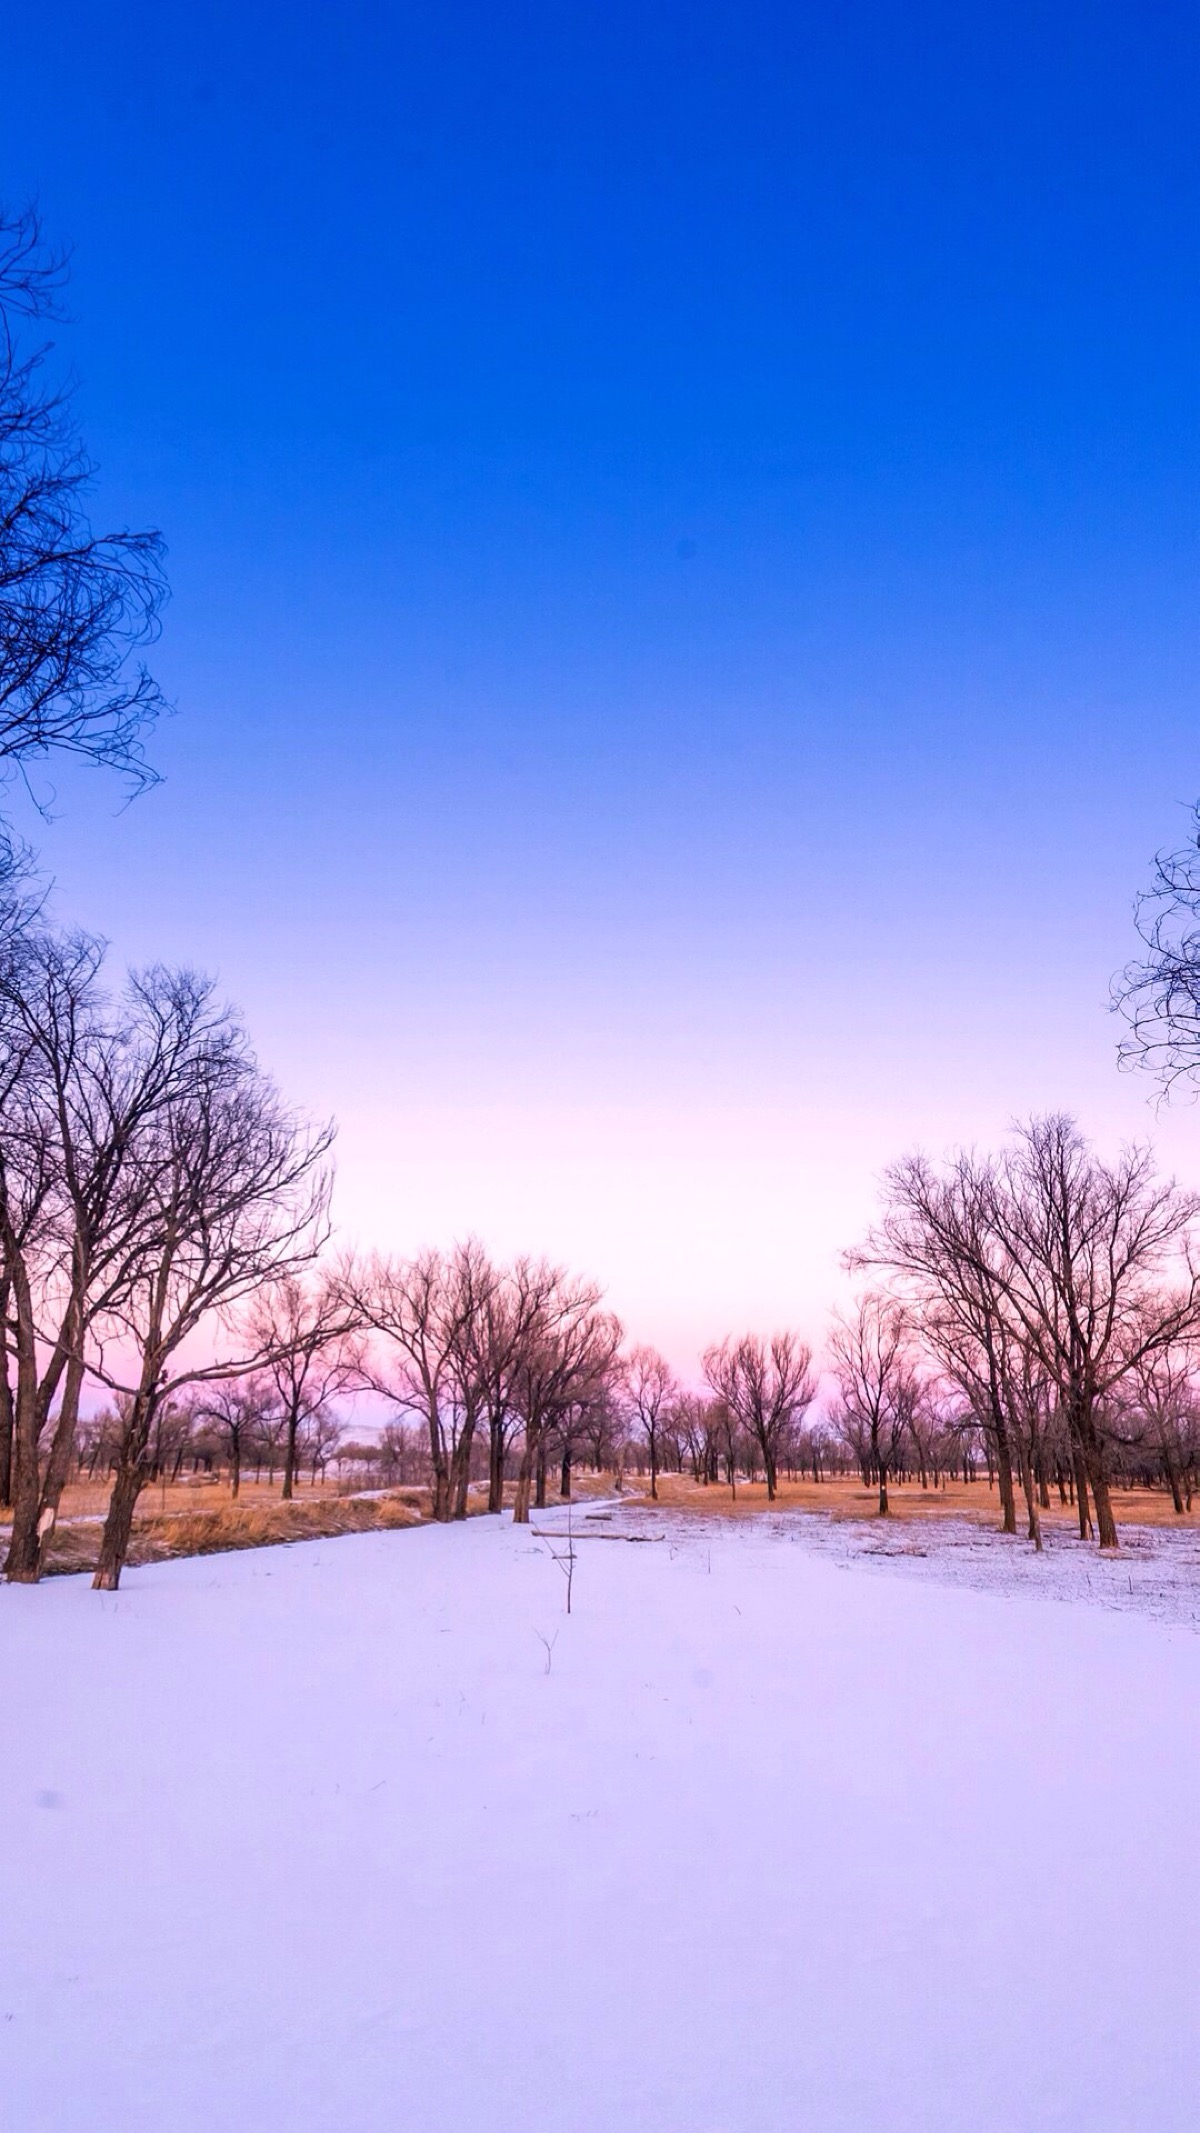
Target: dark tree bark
6,1404
127,1487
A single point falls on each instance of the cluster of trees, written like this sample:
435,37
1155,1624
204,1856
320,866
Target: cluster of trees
159,1207
220,1432
1034,1313
515,1359
154,1188
164,1213
1052,1300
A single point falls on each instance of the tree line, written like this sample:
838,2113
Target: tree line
164,1213
1032,1314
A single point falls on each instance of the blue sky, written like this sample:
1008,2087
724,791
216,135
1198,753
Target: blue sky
682,527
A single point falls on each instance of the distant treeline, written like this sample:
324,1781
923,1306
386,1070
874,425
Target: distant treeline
164,1213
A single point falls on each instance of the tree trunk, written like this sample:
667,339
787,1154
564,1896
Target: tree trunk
58,1463
1172,1477
460,1470
564,1478
495,1464
1004,1470
1082,1505
21,1565
772,1472
127,1487
6,1407
289,1456
539,1499
1031,1504
524,1487
1093,1456
114,1545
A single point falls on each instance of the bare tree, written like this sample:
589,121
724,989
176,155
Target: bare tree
873,1364
76,606
1088,1264
649,1386
566,1358
697,1424
1159,994
935,1235
237,1412
605,1433
1087,1247
429,1355
234,1191
86,1084
511,1313
767,1386
308,1329
29,1182
401,1454
322,1437
1163,1407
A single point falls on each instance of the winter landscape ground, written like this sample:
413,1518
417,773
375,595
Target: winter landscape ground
772,1832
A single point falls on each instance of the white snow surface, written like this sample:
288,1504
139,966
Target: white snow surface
774,1839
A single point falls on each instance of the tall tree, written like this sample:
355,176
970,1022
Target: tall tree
76,606
767,1386
429,1355
234,1192
934,1233
649,1386
87,1086
1093,1265
85,1082
308,1330
1161,1408
512,1311
873,1363
565,1361
237,1412
1159,992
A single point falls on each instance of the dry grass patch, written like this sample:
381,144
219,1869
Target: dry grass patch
197,1493
846,1498
159,1539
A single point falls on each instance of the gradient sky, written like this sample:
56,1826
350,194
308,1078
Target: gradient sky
682,523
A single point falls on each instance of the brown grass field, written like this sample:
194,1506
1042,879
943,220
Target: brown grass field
183,1519
200,1518
844,1497
201,1493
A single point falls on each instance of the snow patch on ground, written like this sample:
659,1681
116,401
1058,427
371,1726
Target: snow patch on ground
770,1836
1156,1572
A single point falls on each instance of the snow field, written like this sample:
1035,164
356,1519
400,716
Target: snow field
310,1839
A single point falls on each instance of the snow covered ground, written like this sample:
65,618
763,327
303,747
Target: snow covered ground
1155,1573
367,1835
